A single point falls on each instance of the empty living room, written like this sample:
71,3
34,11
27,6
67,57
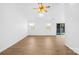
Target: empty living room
39,28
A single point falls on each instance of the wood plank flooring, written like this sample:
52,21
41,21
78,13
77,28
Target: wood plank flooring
39,45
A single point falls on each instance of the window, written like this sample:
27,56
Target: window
60,28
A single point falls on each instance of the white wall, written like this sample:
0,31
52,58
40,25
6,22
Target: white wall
13,25
72,26
54,15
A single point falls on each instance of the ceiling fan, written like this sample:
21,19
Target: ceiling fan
41,8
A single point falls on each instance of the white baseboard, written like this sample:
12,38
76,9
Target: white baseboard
74,49
19,38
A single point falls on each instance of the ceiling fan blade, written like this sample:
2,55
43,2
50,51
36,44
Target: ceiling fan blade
47,6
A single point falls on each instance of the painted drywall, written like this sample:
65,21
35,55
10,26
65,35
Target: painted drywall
13,25
72,26
54,15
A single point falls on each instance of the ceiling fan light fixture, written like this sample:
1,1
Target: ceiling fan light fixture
42,9
41,14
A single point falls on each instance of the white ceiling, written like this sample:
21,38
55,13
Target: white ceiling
55,12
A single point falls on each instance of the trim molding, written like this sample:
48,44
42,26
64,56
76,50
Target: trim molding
73,49
42,35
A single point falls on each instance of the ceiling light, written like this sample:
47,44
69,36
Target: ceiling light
41,14
42,9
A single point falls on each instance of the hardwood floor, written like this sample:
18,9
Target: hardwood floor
39,45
